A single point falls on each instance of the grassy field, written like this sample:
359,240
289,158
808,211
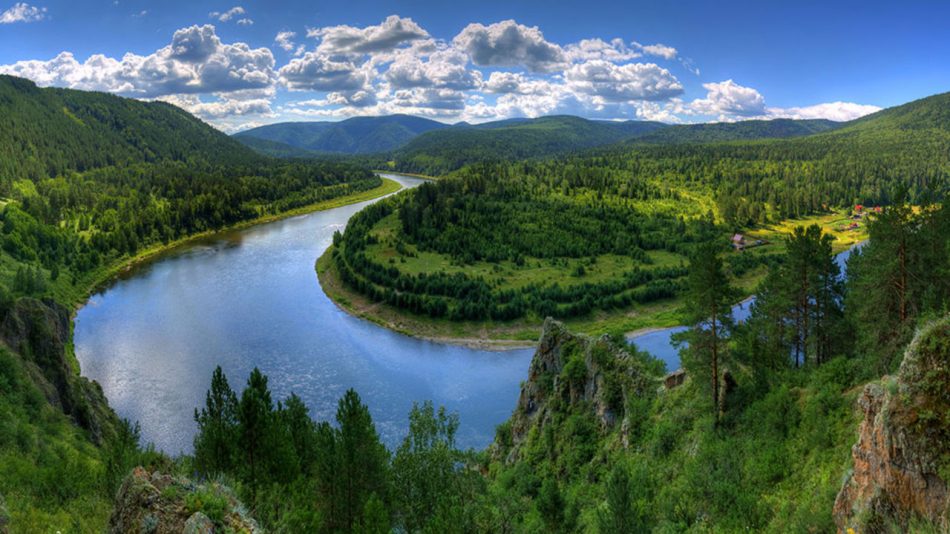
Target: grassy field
506,275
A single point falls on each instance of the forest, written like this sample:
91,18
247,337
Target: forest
758,436
631,201
756,439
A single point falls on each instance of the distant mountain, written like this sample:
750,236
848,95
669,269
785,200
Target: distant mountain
47,132
450,148
358,135
276,148
738,131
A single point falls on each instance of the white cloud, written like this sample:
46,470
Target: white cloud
836,111
222,108
589,49
285,40
509,44
623,83
659,50
317,72
245,22
347,40
443,69
728,100
22,12
227,15
195,62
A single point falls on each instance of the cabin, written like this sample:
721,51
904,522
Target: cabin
738,242
858,208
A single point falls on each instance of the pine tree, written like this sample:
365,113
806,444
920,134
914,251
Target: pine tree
708,302
361,461
255,412
217,427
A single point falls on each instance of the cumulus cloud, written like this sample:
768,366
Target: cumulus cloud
619,83
22,12
727,100
347,40
445,69
318,72
220,108
227,15
836,111
509,44
195,62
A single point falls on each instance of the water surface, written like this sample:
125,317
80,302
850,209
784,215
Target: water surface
251,298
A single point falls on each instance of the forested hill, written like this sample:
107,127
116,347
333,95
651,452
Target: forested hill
358,135
47,132
738,131
930,113
448,149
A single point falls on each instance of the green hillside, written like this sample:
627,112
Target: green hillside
738,131
46,132
358,135
449,149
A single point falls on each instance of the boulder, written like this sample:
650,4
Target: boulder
159,503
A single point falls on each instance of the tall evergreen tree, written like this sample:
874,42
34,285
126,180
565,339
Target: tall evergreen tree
708,312
255,413
361,462
217,427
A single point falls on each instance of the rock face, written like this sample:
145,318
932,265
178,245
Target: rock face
570,372
39,332
162,504
902,457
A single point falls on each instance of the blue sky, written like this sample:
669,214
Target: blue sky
243,63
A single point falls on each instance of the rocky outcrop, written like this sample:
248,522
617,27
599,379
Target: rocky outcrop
38,330
571,372
902,457
157,503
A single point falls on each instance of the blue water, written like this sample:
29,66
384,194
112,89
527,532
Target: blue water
251,298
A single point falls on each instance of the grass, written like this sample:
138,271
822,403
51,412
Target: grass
507,275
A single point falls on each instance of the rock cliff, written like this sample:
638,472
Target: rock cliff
38,330
573,373
157,503
902,457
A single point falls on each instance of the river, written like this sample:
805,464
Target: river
250,298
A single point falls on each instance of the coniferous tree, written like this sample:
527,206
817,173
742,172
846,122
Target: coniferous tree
360,467
708,302
217,427
255,413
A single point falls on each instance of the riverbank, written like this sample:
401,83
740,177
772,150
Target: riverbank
103,276
486,335
637,320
